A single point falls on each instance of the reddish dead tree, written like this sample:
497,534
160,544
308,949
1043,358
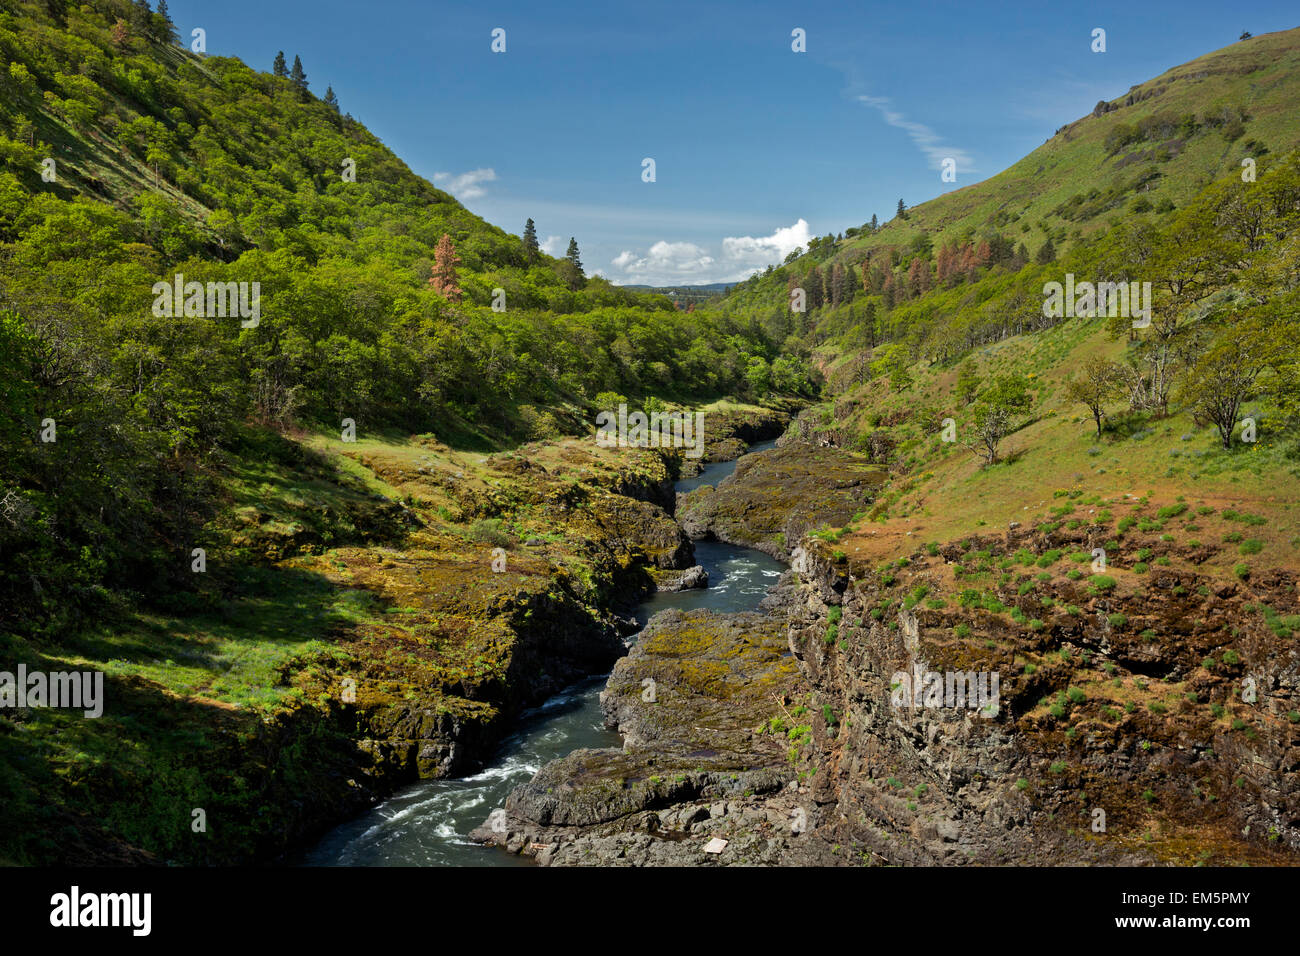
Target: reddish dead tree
444,279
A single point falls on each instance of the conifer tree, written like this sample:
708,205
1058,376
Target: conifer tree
164,28
573,266
299,78
141,18
902,209
531,249
572,254
331,100
875,222
280,68
443,278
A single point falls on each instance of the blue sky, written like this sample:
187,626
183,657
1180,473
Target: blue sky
756,147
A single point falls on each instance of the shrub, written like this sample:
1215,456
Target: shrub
488,530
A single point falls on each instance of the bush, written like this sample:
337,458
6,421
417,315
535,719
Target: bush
488,530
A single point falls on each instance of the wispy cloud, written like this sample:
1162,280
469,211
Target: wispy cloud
466,185
926,139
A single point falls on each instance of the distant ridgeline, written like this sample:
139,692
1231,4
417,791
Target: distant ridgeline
686,295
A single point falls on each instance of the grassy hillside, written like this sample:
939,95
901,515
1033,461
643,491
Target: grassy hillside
1146,152
1162,142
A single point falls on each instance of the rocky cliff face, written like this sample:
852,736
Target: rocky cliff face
1098,750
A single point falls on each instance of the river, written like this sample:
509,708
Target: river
426,823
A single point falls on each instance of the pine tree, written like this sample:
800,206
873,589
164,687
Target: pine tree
815,286
280,68
443,278
331,100
531,249
1046,253
572,269
875,223
164,28
299,78
571,254
902,209
141,17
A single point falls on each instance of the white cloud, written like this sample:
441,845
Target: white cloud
685,263
666,263
554,245
926,139
754,253
466,185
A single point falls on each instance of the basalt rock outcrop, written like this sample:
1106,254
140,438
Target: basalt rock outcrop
693,700
775,497
1095,753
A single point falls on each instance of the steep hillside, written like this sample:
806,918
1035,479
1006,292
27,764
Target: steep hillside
1162,142
1147,151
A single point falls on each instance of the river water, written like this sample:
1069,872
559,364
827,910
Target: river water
426,823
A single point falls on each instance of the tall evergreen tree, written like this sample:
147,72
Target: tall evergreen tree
141,18
299,78
875,222
850,286
572,269
164,30
531,249
837,284
571,254
902,209
1046,253
331,100
280,67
